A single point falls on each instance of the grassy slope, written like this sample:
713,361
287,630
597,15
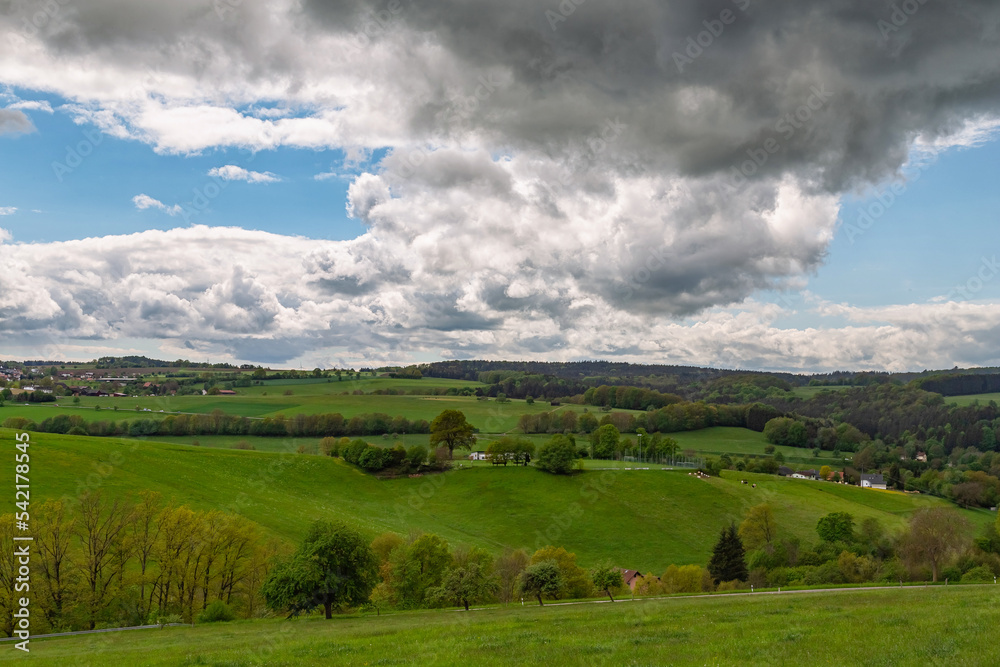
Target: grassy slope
640,519
488,416
951,626
982,399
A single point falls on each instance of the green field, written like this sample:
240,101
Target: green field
707,442
488,416
809,392
642,519
982,399
738,441
909,626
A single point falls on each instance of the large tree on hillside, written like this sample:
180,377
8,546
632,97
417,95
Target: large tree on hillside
758,529
451,429
836,527
558,455
334,565
728,561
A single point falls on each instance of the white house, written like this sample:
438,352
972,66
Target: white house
805,474
478,456
873,481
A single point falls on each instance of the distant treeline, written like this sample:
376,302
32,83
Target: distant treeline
897,414
959,385
219,423
576,370
684,416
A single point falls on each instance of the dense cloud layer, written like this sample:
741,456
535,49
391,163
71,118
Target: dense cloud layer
273,299
557,173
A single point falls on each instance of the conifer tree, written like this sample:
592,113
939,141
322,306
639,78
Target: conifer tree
728,561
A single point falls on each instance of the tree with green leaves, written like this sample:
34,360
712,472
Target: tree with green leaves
333,566
542,579
728,562
470,579
836,527
416,567
604,442
509,566
935,535
451,429
758,529
559,455
607,578
510,449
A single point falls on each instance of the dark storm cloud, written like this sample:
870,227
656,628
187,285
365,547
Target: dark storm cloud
869,87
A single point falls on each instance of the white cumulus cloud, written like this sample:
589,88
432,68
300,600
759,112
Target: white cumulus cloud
231,172
142,202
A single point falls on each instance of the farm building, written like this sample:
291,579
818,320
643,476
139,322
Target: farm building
873,481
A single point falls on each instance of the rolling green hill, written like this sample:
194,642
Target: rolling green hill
643,519
489,416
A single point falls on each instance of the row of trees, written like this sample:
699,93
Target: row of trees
335,569
220,423
673,418
935,545
110,562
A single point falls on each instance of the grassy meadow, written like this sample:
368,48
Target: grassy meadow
981,399
642,519
292,397
907,626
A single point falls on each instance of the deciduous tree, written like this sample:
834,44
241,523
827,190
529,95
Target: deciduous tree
451,429
509,566
607,578
758,529
542,578
558,455
836,527
935,535
333,566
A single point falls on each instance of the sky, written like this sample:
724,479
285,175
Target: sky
800,186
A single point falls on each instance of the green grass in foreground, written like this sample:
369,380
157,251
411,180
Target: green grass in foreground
642,519
911,626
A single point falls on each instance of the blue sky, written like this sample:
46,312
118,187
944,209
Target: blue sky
95,198
499,186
